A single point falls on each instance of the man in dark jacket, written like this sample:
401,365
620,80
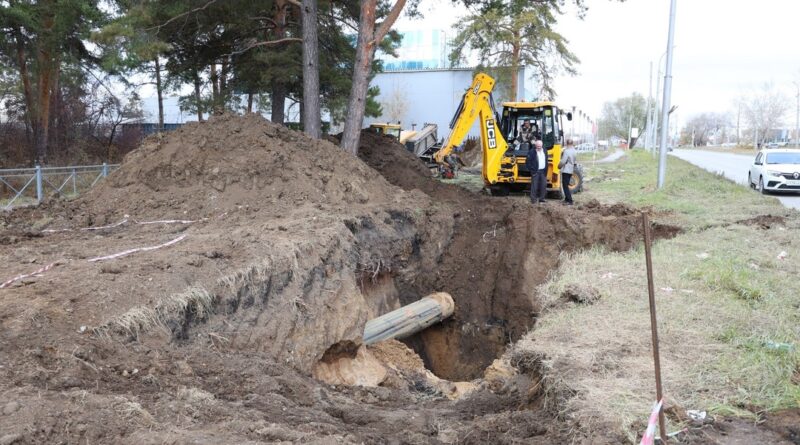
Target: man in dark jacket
537,165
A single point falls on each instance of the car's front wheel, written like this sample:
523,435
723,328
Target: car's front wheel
761,188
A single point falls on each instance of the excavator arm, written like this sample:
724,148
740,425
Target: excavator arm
477,104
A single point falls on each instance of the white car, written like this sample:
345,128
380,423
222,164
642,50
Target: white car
776,170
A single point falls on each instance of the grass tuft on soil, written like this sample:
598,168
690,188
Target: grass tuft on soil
195,303
728,308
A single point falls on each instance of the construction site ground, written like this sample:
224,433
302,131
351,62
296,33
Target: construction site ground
262,254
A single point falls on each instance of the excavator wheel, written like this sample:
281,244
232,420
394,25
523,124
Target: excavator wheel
576,182
499,190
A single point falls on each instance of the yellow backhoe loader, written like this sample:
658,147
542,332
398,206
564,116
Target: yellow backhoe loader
504,168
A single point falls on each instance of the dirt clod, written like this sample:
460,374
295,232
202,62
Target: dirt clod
11,408
582,294
764,221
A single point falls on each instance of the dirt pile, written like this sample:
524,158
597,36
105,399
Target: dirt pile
287,245
231,161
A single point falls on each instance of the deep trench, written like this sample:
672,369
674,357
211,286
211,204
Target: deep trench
492,266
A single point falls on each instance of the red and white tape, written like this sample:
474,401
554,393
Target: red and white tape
650,433
138,249
26,275
125,221
110,226
44,269
171,221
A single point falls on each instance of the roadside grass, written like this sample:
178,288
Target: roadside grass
691,197
740,150
728,308
470,180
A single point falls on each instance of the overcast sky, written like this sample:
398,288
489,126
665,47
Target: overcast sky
723,48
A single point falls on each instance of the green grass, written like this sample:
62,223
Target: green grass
728,307
469,180
697,199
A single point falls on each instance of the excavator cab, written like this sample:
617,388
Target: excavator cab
392,130
546,120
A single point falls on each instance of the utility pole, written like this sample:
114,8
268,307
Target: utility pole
755,138
797,118
665,106
630,126
738,123
647,139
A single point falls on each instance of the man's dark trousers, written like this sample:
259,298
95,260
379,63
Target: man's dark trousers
538,186
565,179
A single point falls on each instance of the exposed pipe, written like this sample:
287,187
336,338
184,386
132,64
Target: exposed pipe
409,319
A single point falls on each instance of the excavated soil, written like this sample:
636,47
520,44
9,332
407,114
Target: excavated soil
282,248
500,251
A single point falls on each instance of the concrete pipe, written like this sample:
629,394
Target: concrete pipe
409,319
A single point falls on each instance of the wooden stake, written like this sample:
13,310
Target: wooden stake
654,323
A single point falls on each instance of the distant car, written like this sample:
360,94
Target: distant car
775,170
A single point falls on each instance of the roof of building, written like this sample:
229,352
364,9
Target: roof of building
426,70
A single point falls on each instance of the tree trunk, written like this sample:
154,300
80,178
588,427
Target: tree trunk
30,105
53,112
368,39
278,89
197,96
358,92
114,126
223,80
43,104
160,94
515,49
215,97
311,106
249,102
278,99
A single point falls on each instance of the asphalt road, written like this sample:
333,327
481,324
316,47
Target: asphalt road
733,166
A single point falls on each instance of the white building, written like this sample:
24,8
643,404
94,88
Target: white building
419,86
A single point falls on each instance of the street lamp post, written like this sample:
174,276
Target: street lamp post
665,106
647,140
654,133
797,118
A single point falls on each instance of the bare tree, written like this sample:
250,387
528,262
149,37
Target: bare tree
700,129
764,110
619,116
